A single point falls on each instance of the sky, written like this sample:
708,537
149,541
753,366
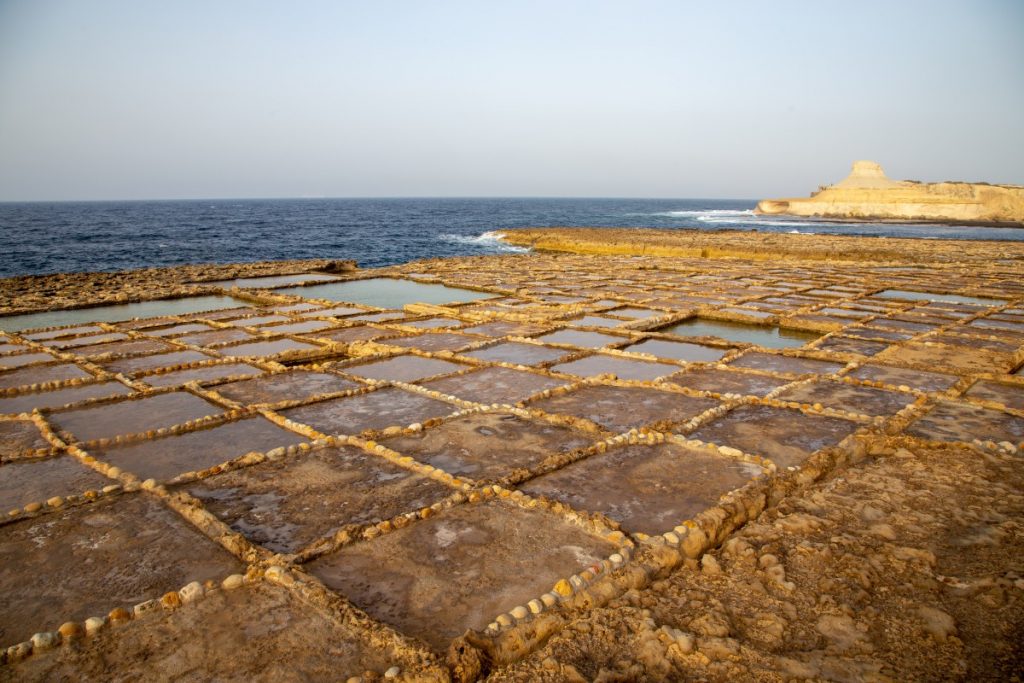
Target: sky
140,99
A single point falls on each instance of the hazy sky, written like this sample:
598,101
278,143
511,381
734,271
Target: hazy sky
177,99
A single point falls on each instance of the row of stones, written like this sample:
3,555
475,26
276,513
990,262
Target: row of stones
71,632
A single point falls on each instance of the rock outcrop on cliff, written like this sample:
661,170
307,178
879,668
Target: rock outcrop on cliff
868,194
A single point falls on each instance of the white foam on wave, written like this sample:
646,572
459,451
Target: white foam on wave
492,239
702,213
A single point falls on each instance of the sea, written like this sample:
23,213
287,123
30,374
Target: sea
49,237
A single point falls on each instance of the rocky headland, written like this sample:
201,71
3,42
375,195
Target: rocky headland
868,194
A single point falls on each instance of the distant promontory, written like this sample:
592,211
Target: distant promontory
867,194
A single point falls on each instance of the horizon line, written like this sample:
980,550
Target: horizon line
361,197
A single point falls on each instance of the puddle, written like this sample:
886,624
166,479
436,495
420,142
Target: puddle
33,481
622,368
294,385
729,382
165,458
86,560
788,437
518,353
648,489
106,314
619,409
288,504
909,295
133,416
786,364
204,374
268,282
382,292
17,436
61,397
375,410
582,339
488,447
403,369
494,385
39,374
962,422
691,353
458,570
762,335
851,398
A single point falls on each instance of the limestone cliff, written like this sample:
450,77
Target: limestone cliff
868,194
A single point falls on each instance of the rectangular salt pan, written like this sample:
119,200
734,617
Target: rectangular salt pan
929,296
106,314
384,292
762,335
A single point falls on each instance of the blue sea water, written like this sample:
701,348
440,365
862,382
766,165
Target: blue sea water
48,237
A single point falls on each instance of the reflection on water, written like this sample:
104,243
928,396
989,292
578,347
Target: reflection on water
762,335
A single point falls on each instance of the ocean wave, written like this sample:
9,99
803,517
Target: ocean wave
758,220
703,213
488,240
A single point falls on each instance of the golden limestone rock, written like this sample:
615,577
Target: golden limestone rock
868,194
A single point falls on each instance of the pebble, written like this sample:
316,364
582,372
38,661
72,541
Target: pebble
70,630
519,612
392,672
119,614
171,600
44,641
20,651
233,581
145,607
536,606
94,624
194,591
